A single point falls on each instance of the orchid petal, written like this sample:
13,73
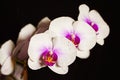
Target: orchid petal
7,67
87,35
26,32
104,27
34,65
23,53
104,30
38,44
83,11
83,54
43,21
100,41
6,51
18,47
61,25
43,25
65,50
59,69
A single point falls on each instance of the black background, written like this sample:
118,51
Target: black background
99,66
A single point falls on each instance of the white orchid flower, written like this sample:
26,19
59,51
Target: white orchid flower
80,33
6,62
94,19
55,52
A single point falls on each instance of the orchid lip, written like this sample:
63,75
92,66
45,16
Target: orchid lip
74,38
49,58
92,24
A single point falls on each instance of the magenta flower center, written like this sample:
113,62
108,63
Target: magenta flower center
74,38
49,58
92,24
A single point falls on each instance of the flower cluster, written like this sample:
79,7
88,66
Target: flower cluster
53,43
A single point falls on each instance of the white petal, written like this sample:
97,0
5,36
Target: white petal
103,28
66,51
83,54
34,65
100,41
7,67
6,50
43,25
61,25
87,35
26,32
59,70
38,44
83,11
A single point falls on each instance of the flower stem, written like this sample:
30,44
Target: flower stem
25,73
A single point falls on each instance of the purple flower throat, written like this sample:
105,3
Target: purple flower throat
92,24
74,38
49,58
